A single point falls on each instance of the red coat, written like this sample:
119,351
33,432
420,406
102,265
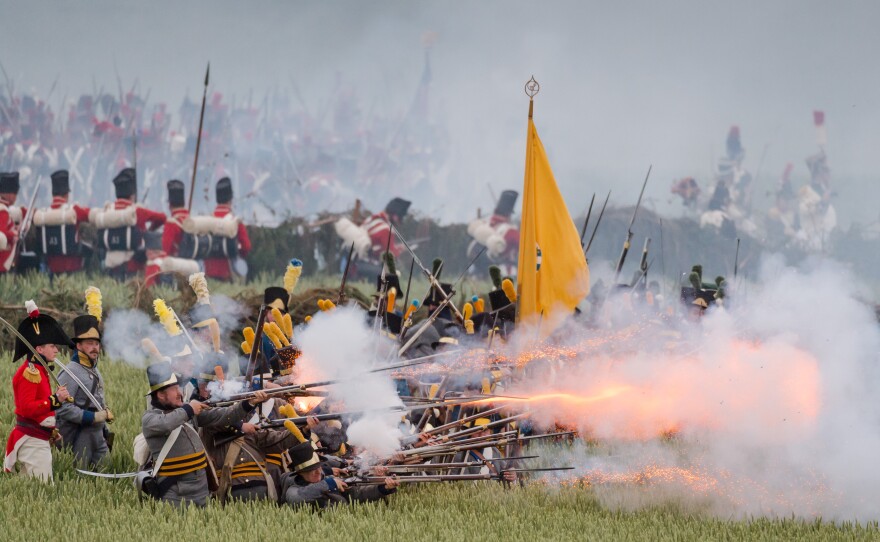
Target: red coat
67,264
147,220
173,233
9,230
34,403
221,268
379,231
511,237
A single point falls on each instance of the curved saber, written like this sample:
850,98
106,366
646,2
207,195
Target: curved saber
113,475
42,362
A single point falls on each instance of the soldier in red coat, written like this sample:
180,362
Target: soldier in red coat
58,232
173,232
10,218
124,241
380,232
29,444
220,268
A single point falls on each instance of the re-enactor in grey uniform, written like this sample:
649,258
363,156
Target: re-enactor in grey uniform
185,472
82,424
308,485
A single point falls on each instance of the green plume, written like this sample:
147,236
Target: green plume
495,274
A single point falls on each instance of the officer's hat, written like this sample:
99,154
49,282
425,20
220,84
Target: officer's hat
38,329
160,376
85,327
398,206
506,203
303,457
9,182
60,183
125,183
176,193
275,297
224,190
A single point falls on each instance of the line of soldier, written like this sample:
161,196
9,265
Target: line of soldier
126,232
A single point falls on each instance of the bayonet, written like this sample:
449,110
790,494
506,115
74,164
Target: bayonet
629,231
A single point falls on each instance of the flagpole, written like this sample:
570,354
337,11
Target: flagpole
531,88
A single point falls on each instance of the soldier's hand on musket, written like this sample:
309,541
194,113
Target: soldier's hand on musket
312,422
508,476
197,407
391,482
248,428
270,385
259,397
62,394
397,457
379,470
340,484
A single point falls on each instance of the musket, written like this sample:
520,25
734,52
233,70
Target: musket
412,265
457,465
431,278
587,220
598,221
477,429
629,232
643,263
258,343
642,274
424,452
494,437
26,223
192,184
340,299
451,425
380,480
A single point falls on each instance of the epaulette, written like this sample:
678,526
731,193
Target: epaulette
32,375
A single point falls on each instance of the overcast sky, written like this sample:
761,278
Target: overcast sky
624,84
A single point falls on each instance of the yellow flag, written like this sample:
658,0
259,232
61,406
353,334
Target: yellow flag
552,274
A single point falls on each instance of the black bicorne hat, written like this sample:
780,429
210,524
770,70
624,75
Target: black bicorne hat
9,183
506,203
224,190
276,297
176,193
86,326
39,330
398,206
60,183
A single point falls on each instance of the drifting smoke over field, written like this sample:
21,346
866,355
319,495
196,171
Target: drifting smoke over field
769,404
338,345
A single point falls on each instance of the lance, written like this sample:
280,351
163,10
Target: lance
596,227
192,184
629,232
587,220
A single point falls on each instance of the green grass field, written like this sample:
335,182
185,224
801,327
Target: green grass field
83,508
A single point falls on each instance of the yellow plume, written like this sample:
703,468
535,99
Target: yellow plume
479,305
269,332
307,319
321,304
286,410
276,315
93,302
249,334
246,347
291,275
413,307
166,317
329,305
392,297
294,430
467,311
469,327
509,290
287,324
200,286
